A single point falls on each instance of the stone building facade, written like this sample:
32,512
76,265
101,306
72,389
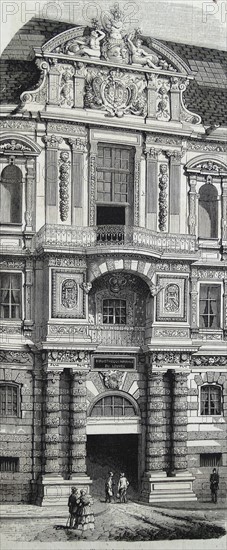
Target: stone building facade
113,282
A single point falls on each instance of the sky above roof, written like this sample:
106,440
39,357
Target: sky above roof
198,22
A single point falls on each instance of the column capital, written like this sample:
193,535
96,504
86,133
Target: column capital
52,142
78,145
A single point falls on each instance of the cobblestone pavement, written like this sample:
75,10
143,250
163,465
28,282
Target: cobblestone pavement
120,522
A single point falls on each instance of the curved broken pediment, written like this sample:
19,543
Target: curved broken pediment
16,144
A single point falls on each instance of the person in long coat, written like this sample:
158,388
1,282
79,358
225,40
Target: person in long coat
73,503
84,517
214,484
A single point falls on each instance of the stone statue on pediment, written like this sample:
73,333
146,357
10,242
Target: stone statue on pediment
114,47
86,45
140,55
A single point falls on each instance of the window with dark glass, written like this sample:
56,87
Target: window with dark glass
9,464
114,173
9,400
208,212
210,460
10,295
11,195
210,399
209,306
114,312
113,405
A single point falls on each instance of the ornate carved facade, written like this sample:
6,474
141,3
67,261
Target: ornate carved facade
113,274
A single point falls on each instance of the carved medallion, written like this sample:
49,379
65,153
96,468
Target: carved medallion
69,293
113,379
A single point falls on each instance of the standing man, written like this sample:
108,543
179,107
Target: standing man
122,487
73,504
214,483
109,485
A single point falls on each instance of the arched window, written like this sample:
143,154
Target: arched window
11,195
208,212
9,400
113,405
210,399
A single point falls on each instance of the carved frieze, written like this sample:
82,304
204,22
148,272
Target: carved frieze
67,128
170,357
17,125
21,357
66,261
214,360
171,333
67,330
79,358
14,146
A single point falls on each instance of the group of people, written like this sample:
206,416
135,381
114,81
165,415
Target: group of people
122,487
80,514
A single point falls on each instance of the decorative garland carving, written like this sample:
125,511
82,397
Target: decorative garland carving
23,358
66,86
215,360
92,186
79,358
64,185
163,184
163,100
170,357
14,146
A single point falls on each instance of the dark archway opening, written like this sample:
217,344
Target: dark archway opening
116,453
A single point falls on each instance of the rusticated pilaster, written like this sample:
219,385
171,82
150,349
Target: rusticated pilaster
78,438
52,423
158,422
180,391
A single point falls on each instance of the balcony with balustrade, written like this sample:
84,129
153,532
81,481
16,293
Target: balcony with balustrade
109,238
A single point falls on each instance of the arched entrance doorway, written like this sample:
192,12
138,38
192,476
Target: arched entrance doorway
113,440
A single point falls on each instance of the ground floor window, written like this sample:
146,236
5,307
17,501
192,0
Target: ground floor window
210,460
9,464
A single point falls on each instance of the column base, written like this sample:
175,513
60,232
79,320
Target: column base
159,488
55,491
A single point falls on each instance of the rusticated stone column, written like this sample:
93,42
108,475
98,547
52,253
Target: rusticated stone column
180,391
52,423
158,422
78,415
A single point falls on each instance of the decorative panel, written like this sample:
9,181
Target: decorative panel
68,295
171,301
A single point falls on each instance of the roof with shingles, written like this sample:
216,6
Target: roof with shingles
206,95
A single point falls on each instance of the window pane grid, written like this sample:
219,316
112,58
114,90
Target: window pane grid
114,165
9,400
10,296
114,312
115,406
209,307
210,400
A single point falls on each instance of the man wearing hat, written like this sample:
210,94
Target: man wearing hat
214,483
73,504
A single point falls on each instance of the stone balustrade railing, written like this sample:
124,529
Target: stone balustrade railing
115,336
120,236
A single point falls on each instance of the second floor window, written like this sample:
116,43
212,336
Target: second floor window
114,312
208,212
114,173
10,295
209,306
210,399
9,400
11,195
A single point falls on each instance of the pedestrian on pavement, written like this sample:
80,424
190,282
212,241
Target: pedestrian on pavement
109,487
73,503
122,487
214,484
84,516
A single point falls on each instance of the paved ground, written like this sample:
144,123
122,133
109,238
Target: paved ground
125,523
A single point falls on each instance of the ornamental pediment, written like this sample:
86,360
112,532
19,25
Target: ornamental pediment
109,69
111,40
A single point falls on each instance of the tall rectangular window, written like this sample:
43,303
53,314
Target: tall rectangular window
209,306
9,400
114,173
10,295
